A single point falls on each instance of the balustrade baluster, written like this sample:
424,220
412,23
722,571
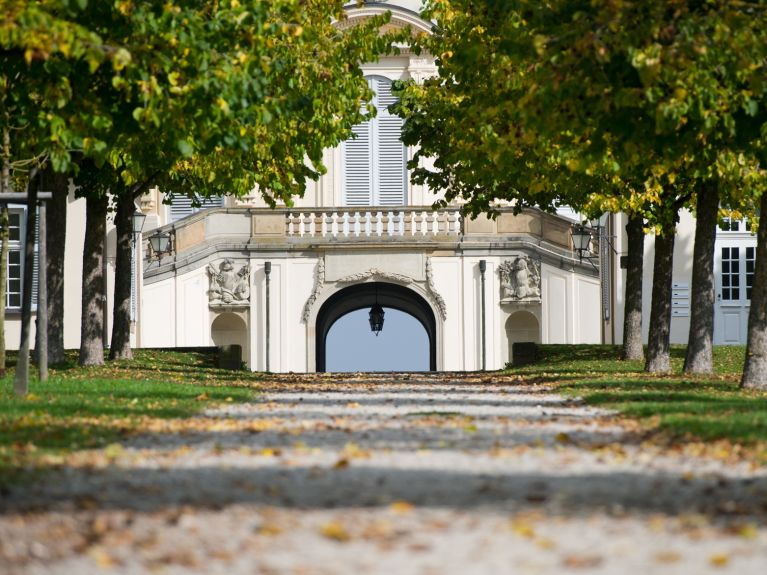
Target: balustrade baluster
357,225
334,224
379,224
368,223
289,219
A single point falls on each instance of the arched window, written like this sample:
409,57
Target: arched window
375,173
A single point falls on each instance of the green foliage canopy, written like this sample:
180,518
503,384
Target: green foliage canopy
613,105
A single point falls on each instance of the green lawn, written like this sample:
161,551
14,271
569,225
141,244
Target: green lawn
708,408
81,408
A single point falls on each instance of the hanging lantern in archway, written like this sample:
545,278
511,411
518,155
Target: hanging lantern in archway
376,319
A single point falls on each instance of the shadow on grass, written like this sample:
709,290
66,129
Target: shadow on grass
85,407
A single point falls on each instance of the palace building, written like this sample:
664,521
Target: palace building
275,281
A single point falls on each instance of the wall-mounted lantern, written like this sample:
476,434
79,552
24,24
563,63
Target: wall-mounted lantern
582,242
160,244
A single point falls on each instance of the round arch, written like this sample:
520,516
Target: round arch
522,325
230,329
364,295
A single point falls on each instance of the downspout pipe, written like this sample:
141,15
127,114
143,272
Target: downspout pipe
482,269
267,274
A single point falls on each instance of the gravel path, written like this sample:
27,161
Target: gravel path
392,474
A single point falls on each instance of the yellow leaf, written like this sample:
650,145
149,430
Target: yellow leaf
719,559
335,531
402,507
341,463
562,437
103,559
523,528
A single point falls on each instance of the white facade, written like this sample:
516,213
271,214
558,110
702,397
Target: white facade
363,228
734,259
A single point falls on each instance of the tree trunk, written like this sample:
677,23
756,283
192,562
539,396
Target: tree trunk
92,322
632,316
5,187
21,384
658,353
56,234
700,343
755,368
121,320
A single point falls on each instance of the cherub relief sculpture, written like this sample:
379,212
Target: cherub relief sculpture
228,286
520,279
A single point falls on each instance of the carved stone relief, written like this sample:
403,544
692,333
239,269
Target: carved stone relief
227,285
377,274
439,300
520,279
319,282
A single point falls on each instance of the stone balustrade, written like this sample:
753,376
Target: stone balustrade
372,223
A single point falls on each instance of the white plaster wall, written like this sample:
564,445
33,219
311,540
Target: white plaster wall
556,296
158,303
447,273
278,337
472,315
298,287
193,325
587,310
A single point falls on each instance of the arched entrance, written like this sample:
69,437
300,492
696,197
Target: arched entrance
522,326
364,295
230,329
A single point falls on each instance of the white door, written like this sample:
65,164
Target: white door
734,271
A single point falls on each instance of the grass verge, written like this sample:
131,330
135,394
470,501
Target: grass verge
697,407
83,408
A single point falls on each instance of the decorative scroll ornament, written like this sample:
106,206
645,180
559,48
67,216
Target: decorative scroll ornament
520,279
227,286
439,300
319,281
377,274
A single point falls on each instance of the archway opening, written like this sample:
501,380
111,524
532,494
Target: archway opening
342,323
522,326
230,329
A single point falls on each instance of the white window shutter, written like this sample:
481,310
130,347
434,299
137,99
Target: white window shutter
181,206
375,172
391,162
357,163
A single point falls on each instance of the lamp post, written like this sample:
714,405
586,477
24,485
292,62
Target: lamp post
137,223
482,269
137,226
267,274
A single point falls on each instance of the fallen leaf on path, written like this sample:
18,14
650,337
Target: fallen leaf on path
719,559
581,561
336,531
402,507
